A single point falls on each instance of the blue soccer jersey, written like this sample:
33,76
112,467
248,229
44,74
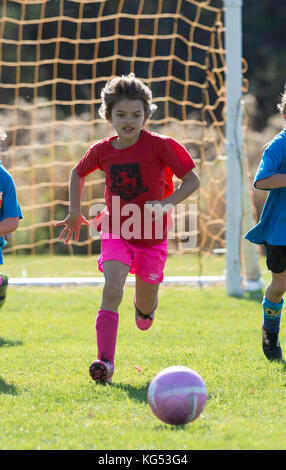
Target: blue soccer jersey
271,227
9,206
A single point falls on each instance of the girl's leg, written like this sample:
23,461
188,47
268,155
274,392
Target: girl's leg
115,274
276,288
272,308
3,288
146,301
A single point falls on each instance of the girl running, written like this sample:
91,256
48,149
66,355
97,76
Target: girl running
271,232
138,166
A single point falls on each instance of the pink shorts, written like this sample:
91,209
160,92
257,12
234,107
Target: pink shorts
148,262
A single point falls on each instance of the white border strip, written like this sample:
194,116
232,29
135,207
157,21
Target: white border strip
99,281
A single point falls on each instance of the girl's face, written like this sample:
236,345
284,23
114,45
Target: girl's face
128,118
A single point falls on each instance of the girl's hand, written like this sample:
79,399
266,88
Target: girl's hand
72,227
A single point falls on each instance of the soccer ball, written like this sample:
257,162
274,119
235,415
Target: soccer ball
177,395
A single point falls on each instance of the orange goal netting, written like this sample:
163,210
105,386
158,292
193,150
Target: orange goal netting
56,55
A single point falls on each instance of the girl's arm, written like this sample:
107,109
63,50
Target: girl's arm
190,183
8,225
74,219
76,187
272,182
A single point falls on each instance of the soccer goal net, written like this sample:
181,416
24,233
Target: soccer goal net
55,57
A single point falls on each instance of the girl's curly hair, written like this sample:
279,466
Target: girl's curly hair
126,86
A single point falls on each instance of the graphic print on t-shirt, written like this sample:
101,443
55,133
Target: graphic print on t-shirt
126,181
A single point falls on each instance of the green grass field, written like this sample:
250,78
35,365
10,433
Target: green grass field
48,401
77,266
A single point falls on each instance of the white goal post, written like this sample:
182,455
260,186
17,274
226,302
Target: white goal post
239,215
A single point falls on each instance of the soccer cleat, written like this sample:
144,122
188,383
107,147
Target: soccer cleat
3,287
101,371
271,346
143,321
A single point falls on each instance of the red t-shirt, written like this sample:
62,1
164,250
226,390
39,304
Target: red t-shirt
136,174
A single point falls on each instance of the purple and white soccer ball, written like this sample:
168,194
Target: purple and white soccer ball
177,395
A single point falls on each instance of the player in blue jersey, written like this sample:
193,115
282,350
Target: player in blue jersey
271,232
10,214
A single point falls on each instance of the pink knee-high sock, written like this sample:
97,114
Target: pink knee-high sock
106,327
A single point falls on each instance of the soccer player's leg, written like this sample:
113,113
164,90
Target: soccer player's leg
146,302
148,265
115,274
272,311
3,288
